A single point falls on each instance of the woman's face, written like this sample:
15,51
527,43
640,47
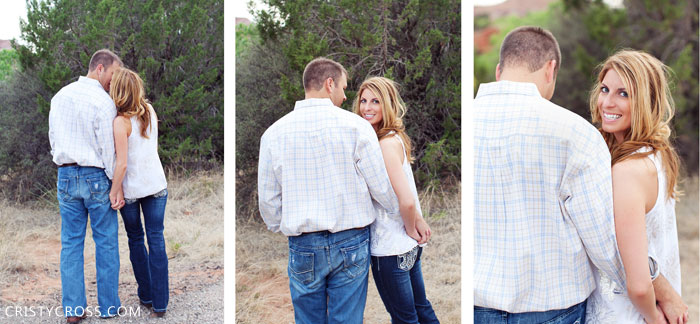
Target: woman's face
614,105
370,108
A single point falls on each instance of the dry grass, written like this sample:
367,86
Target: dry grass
262,285
688,229
30,243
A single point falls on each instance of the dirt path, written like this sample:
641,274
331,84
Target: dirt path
196,294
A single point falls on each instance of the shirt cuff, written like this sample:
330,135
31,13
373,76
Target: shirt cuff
653,268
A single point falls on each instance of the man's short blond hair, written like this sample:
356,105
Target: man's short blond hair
531,47
104,57
319,70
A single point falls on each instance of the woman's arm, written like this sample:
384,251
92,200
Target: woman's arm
634,193
122,130
392,151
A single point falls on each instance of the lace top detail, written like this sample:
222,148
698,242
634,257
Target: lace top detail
609,303
388,236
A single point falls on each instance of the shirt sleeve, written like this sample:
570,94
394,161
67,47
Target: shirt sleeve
269,188
104,135
52,136
586,195
370,164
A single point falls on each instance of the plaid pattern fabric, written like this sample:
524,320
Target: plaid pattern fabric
542,202
319,169
80,125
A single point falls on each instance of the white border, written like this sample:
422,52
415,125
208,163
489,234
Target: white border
467,162
229,163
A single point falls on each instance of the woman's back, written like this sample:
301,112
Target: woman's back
609,303
662,233
388,236
144,172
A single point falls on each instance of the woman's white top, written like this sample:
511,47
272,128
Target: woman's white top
144,173
388,235
609,303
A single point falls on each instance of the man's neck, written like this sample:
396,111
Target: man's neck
518,75
92,75
317,95
524,77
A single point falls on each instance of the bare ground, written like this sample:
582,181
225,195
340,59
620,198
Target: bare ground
30,255
262,284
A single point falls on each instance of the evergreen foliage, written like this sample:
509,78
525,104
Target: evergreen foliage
9,63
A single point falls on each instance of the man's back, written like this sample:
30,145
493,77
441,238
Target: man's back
543,202
320,167
80,125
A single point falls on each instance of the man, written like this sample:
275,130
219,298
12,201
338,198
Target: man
542,195
82,145
320,167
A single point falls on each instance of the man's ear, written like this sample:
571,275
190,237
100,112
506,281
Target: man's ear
550,68
498,72
328,85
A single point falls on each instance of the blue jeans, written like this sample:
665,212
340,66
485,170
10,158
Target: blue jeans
83,191
400,284
573,315
328,276
150,267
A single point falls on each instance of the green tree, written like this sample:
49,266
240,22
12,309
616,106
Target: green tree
9,63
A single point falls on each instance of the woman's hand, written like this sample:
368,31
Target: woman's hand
672,305
660,319
413,234
116,197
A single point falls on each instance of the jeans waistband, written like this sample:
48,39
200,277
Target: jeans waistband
326,237
76,170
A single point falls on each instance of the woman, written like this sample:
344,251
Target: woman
395,239
139,180
632,104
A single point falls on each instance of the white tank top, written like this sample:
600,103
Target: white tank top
610,303
388,235
144,173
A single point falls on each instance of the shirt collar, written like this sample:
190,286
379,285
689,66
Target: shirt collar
508,87
90,82
313,102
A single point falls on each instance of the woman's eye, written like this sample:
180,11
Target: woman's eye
375,101
363,100
624,94
604,89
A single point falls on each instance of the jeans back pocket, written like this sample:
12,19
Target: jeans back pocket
356,259
301,266
99,189
62,190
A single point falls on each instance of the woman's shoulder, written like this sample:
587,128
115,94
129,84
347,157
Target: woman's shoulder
635,171
391,143
122,120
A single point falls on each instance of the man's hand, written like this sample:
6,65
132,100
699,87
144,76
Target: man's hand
673,307
423,230
116,198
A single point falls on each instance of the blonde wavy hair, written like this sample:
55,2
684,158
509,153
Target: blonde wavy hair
129,96
652,108
393,109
